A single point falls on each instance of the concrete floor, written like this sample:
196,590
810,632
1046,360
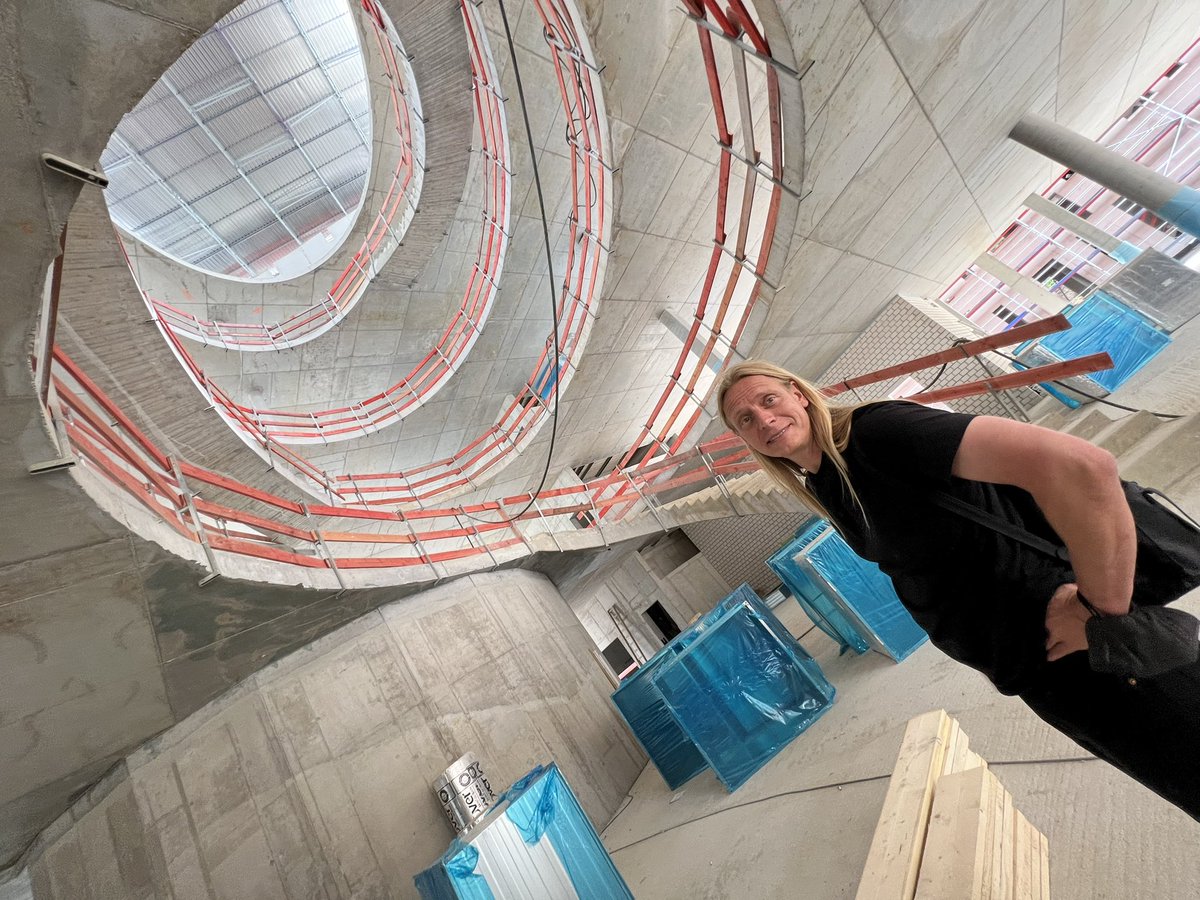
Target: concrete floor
801,827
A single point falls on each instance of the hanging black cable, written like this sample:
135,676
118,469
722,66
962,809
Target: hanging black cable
537,181
1081,393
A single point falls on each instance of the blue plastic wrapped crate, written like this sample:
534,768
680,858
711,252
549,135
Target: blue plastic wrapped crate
642,706
742,690
846,596
535,844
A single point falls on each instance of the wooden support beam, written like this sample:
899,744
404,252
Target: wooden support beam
949,830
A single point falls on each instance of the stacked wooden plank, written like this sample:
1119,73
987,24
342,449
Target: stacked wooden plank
948,830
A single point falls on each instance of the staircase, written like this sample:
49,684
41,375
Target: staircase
1159,453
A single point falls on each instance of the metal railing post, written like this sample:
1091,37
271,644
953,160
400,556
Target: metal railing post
550,531
475,529
596,518
720,481
319,540
197,527
645,499
515,526
421,551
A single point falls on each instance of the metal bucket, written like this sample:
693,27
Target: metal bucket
464,792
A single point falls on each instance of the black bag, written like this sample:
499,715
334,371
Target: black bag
1168,552
1147,641
1150,639
1168,543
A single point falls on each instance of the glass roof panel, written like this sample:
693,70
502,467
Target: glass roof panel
255,141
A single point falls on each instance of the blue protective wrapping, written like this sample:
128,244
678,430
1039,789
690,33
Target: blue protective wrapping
858,603
819,602
1103,324
549,805
742,690
453,877
642,706
541,804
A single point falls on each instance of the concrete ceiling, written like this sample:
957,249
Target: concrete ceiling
107,639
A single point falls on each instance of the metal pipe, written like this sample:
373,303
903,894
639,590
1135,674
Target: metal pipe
213,570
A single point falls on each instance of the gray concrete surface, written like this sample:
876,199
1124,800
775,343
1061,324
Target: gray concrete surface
313,778
910,176
802,825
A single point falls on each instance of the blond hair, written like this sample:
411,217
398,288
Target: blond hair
830,426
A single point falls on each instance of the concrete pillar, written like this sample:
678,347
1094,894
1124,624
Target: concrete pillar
1022,283
1121,251
1169,200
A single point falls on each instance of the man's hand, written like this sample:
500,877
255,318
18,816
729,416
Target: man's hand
1066,619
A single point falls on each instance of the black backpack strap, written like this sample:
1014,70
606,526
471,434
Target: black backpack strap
995,523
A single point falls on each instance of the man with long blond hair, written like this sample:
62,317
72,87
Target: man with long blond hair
877,471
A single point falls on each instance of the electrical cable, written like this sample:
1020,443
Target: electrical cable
821,787
957,343
929,386
1064,385
537,181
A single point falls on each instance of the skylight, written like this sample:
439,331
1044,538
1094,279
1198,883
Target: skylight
249,157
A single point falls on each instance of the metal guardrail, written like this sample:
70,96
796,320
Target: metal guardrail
393,525
380,241
107,442
585,254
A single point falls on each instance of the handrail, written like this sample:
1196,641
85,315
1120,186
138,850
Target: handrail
1017,335
394,213
1094,362
737,269
586,252
129,460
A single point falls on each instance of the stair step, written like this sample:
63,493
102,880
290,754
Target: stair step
1060,418
1090,424
1127,433
1169,453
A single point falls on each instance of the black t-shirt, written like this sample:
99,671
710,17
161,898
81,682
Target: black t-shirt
959,580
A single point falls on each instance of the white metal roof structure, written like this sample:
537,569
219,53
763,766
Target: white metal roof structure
249,156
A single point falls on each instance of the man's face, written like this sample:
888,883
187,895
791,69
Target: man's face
770,417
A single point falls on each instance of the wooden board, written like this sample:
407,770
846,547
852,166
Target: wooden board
1023,858
948,829
957,842
894,860
1044,865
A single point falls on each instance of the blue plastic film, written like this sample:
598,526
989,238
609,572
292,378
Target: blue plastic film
454,877
846,596
642,707
544,812
818,600
583,855
1183,210
868,597
533,814
743,690
1103,324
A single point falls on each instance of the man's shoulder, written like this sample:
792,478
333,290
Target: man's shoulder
899,424
887,412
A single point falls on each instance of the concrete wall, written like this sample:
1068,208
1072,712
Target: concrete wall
633,584
311,779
